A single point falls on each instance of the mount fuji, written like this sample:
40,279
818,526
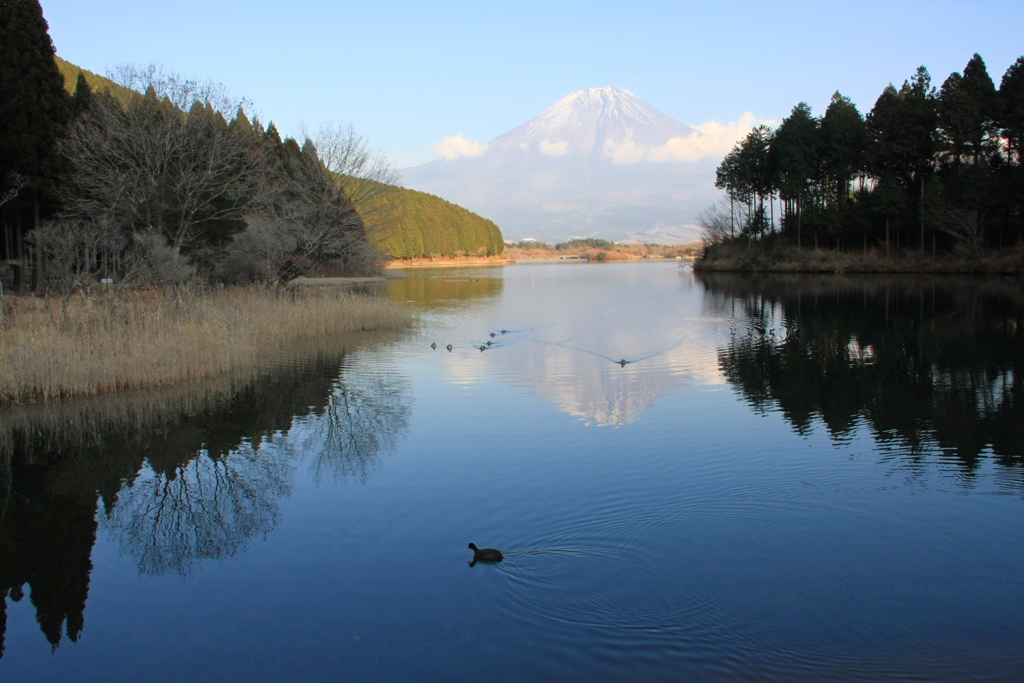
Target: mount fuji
598,163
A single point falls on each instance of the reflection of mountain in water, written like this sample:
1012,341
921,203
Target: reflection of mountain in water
183,475
600,391
924,362
641,316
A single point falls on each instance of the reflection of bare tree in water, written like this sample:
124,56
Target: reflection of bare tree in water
211,502
207,508
364,415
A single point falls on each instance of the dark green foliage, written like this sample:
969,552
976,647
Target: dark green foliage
925,170
967,110
796,162
1010,109
81,100
33,104
34,113
842,144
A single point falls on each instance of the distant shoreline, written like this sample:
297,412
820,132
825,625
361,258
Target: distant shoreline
450,261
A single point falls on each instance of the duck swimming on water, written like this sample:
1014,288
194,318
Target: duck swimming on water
449,347
485,554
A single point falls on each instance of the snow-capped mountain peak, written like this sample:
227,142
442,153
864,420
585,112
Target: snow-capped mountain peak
599,162
589,122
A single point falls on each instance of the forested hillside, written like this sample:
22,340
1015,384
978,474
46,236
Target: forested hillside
95,82
420,224
160,179
412,224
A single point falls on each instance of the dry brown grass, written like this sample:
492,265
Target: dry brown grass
96,344
786,259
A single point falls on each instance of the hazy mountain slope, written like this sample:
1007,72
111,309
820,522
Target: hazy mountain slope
594,164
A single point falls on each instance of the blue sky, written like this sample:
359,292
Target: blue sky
410,74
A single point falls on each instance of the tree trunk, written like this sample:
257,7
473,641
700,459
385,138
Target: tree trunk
732,218
34,256
19,252
921,214
799,222
886,235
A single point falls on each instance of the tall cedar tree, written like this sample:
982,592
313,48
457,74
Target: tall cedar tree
796,162
34,113
1011,109
967,110
949,162
81,101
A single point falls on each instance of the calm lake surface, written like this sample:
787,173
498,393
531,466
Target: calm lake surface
792,478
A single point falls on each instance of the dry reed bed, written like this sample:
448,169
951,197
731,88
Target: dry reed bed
100,343
735,258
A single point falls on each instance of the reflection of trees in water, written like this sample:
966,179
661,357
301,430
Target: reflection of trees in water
46,543
923,361
207,508
439,288
184,475
362,418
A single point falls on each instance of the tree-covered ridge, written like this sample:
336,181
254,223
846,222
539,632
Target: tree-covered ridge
929,169
95,82
415,224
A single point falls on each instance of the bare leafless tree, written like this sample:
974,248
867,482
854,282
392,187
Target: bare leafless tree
180,91
306,216
145,164
966,226
15,183
366,176
721,220
74,252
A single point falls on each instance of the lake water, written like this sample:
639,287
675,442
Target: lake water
792,478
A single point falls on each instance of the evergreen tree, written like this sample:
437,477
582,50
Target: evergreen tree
967,110
33,103
34,114
796,159
843,145
902,127
82,100
1010,110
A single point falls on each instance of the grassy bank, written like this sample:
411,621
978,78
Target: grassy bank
737,258
92,344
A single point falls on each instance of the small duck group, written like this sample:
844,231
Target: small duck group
433,345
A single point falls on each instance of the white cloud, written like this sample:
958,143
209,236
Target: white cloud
458,146
625,152
555,149
708,139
